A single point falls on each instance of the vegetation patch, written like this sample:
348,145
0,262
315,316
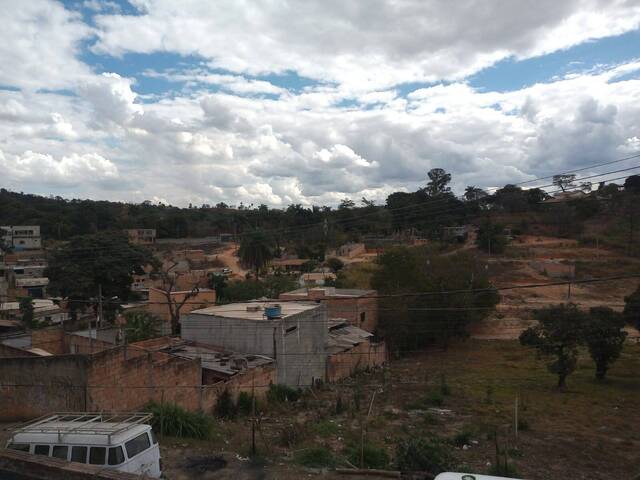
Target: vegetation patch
173,420
315,457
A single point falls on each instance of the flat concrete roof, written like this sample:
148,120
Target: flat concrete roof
332,292
240,311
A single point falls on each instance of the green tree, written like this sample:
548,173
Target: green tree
631,311
26,313
79,268
335,264
141,326
491,237
557,335
438,182
426,315
255,250
604,337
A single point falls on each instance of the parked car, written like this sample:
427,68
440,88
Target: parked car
117,441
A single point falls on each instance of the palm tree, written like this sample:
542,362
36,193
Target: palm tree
255,250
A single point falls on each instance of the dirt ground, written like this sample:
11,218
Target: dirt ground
229,257
584,433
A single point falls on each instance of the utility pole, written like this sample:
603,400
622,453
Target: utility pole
99,322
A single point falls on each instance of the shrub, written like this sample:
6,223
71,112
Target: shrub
523,425
224,406
422,454
445,389
462,438
282,393
434,399
173,420
372,456
325,428
291,435
244,405
315,457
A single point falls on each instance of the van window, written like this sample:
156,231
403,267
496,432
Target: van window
97,455
79,454
41,450
22,447
137,445
60,451
116,456
154,440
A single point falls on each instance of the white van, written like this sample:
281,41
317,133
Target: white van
122,441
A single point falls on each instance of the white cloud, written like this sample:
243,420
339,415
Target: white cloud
68,171
39,43
363,45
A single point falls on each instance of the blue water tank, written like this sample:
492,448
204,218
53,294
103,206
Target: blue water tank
273,311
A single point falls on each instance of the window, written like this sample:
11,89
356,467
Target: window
79,454
154,440
21,447
363,316
41,450
60,451
97,455
137,445
291,330
116,456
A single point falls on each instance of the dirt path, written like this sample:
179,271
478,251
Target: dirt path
230,259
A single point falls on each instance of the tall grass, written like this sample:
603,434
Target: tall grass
173,420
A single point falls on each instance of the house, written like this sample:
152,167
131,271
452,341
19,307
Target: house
44,310
27,280
288,264
294,334
315,279
158,304
358,307
240,372
566,196
349,250
21,237
50,370
351,349
458,233
141,236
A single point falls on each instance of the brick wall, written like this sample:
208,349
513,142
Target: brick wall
254,381
362,356
83,345
127,378
49,339
34,386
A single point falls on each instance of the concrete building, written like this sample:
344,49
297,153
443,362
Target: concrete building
141,236
358,307
351,349
44,311
21,237
294,334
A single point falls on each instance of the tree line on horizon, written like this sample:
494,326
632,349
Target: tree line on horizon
424,212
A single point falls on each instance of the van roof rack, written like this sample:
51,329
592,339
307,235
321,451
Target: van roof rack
88,423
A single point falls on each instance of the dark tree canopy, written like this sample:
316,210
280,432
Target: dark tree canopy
415,321
438,182
557,336
631,311
255,250
78,268
604,337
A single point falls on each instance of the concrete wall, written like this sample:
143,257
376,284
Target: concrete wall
299,353
33,386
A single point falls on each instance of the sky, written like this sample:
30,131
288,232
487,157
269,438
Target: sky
309,102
